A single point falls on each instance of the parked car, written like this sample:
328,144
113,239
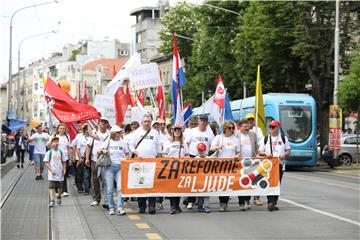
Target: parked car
347,153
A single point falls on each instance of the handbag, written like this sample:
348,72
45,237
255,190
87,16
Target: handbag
103,159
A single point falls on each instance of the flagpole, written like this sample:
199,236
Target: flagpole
257,100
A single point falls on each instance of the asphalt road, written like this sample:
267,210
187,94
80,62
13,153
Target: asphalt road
313,205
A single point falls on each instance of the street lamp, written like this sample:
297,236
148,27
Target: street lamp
220,8
10,45
180,36
26,38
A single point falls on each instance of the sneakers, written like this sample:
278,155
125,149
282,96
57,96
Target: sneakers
111,211
58,201
32,163
22,166
207,209
86,193
41,177
37,177
201,209
121,211
258,202
105,206
160,206
94,203
178,209
18,166
172,210
242,207
190,205
142,210
152,211
247,204
222,207
52,204
64,194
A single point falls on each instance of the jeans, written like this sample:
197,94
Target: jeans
112,173
39,159
20,156
79,176
95,182
87,179
31,152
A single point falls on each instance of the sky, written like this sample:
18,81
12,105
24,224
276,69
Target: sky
74,20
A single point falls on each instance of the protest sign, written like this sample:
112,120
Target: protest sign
105,105
144,76
200,177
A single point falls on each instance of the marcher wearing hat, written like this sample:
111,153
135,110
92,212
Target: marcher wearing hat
200,134
56,164
277,145
94,144
176,148
40,139
259,135
203,202
118,150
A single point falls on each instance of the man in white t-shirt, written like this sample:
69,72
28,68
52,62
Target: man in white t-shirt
145,144
248,148
275,145
40,140
94,144
200,134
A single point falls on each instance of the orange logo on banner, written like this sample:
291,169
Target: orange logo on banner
200,176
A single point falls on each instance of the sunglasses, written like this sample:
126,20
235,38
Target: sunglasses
231,128
272,127
177,129
162,124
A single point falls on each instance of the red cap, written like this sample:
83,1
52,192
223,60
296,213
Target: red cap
201,146
275,123
178,126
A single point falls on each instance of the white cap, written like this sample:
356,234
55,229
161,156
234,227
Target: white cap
104,118
154,122
116,128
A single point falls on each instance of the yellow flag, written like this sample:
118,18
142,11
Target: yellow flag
259,105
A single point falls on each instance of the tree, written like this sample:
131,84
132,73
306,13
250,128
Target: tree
349,89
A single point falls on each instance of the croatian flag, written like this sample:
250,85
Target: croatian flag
187,112
219,98
178,80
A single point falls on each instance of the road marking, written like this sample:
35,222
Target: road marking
321,212
134,217
324,182
142,226
128,210
153,236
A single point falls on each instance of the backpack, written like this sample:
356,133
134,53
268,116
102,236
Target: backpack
50,155
267,137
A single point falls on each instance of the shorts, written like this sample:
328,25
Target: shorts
39,159
55,184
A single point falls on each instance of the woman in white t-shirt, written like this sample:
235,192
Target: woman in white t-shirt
226,145
118,150
176,148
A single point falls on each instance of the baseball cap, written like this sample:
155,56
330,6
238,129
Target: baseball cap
154,122
116,128
178,126
54,138
249,115
104,119
203,116
274,123
201,146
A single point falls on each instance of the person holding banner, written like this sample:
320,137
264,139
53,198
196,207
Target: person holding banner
176,148
226,145
275,145
145,144
200,134
118,150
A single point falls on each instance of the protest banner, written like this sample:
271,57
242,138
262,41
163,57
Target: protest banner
105,105
144,76
199,177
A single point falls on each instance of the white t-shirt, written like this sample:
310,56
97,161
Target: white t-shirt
63,145
245,142
163,138
97,144
40,142
172,149
117,150
81,143
149,146
56,163
195,137
278,147
230,145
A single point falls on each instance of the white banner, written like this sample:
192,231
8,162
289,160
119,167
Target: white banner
144,76
105,105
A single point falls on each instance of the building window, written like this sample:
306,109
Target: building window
138,37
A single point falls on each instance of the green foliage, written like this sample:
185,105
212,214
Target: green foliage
73,54
349,88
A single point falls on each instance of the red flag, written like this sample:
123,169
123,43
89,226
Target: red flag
121,102
86,99
64,107
219,98
160,101
72,129
141,96
131,100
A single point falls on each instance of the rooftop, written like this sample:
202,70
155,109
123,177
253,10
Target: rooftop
108,64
